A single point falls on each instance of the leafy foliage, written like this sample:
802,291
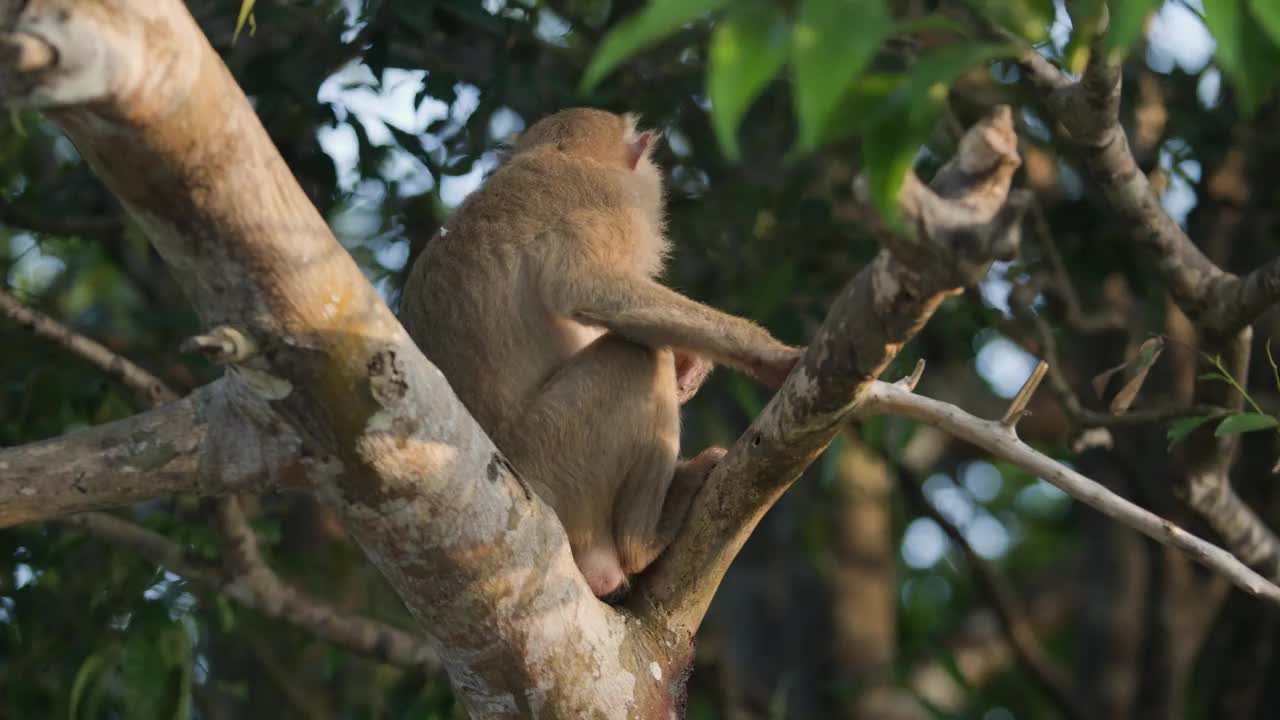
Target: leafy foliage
770,109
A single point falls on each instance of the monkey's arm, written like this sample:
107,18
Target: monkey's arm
650,313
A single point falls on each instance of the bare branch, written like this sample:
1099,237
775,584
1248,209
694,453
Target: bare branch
113,364
1067,398
161,452
1220,304
962,222
1105,319
1014,618
1088,112
888,399
1239,304
252,581
482,565
1018,407
263,592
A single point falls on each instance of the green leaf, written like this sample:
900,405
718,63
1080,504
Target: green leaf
858,109
88,680
1244,52
1029,19
1268,14
831,43
902,122
1085,15
1245,422
1275,370
657,20
1182,428
889,149
246,13
1127,19
748,47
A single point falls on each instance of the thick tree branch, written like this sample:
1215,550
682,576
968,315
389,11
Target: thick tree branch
961,223
152,390
480,562
1002,442
1220,304
166,451
251,580
263,592
1087,111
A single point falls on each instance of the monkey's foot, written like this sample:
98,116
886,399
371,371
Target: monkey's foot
699,466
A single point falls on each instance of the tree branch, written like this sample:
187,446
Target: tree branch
1003,443
251,580
481,563
170,450
961,223
262,592
1220,304
1069,400
1088,111
152,390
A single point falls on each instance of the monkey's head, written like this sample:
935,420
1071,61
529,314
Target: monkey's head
602,136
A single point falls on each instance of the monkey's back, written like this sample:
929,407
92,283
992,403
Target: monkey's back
471,301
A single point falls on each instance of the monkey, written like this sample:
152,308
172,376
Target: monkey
539,301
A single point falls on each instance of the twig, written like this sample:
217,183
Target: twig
251,580
1219,304
113,364
263,593
1070,401
888,399
1018,407
1106,319
1013,617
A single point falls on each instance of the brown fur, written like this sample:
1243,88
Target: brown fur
538,302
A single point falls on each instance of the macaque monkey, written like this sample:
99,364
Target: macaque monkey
537,300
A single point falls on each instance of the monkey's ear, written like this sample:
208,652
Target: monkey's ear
640,147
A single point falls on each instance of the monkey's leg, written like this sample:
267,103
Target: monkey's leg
691,371
640,546
607,416
652,314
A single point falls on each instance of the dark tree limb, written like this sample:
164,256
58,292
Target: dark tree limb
1221,305
259,589
149,387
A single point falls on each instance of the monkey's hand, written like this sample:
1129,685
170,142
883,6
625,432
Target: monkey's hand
691,371
773,368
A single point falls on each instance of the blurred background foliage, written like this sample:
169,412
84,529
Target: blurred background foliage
850,600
